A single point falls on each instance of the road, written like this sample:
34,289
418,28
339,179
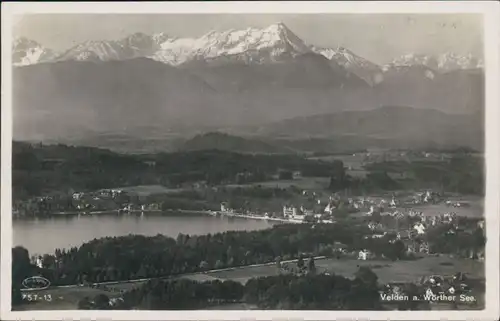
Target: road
172,276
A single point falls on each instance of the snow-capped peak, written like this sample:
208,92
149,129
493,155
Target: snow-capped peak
442,62
343,56
363,68
248,45
159,37
132,46
450,61
24,43
26,52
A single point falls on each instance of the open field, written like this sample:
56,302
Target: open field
387,271
353,161
406,271
358,173
244,274
307,183
146,190
126,286
200,277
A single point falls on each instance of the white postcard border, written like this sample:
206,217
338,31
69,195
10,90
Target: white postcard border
489,10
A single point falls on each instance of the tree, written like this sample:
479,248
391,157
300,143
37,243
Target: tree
300,262
338,177
17,297
285,175
219,264
204,265
366,275
21,269
478,238
84,304
381,180
395,251
278,262
376,216
411,290
101,302
399,249
48,261
311,266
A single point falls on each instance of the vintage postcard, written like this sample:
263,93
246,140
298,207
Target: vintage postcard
250,160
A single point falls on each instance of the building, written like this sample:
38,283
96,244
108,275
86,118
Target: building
329,208
424,248
420,228
289,211
39,262
224,207
364,255
77,196
306,212
392,203
116,192
150,163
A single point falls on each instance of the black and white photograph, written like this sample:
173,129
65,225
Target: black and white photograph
241,161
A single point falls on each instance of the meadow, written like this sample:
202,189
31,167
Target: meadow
147,190
387,271
305,183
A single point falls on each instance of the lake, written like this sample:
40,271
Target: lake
45,235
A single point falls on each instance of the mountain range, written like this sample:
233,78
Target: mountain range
252,45
249,77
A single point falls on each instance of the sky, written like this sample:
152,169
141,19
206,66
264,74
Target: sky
377,37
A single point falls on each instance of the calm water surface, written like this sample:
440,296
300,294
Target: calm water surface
45,235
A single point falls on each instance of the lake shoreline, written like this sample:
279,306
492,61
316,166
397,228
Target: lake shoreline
44,235
166,211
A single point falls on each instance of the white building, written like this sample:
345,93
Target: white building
77,196
39,262
225,208
329,208
363,255
289,211
420,228
427,197
115,192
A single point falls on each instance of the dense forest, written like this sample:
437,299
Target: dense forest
288,292
136,256
40,169
59,169
463,174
